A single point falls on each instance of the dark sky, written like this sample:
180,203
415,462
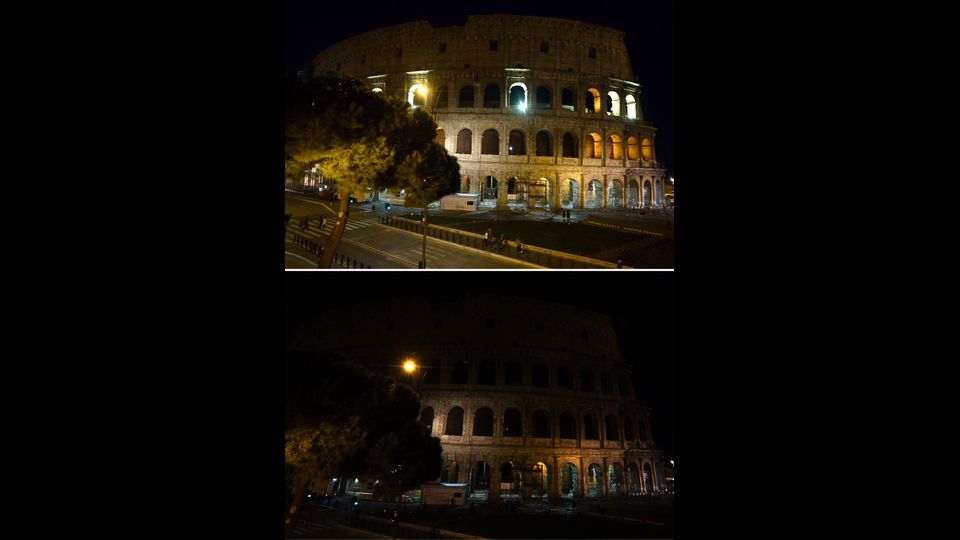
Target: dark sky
641,303
312,25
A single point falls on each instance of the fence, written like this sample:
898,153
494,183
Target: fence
315,248
532,254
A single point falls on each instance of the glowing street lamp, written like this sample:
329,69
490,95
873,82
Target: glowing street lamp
409,366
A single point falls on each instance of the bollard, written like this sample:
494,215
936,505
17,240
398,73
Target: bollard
619,263
354,264
348,261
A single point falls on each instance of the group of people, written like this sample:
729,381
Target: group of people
304,223
497,243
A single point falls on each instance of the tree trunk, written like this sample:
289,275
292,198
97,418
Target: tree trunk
425,226
300,485
331,247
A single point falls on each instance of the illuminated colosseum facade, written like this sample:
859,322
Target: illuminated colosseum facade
530,402
539,111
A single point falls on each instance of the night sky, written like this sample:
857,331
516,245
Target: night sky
641,303
312,25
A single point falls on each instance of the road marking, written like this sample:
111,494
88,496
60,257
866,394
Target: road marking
304,259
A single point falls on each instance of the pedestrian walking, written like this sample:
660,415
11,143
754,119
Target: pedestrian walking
486,237
305,224
321,222
519,245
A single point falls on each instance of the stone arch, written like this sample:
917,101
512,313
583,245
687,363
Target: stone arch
591,430
616,146
569,481
481,476
512,190
544,98
567,425
591,101
443,97
450,472
489,190
540,193
659,192
464,184
483,422
540,424
612,427
615,474
633,193
518,96
426,418
466,97
647,477
594,480
614,200
633,147
646,149
633,473
465,142
512,422
594,194
629,435
647,195
631,106
544,146
570,146
540,481
570,195
417,95
454,423
613,103
567,100
517,143
594,146
490,143
491,96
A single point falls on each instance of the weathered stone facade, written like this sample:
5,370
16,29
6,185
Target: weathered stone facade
519,389
539,111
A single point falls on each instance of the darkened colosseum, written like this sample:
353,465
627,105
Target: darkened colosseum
531,399
540,112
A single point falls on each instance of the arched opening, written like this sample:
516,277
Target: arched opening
566,100
568,430
454,422
594,148
594,198
518,96
465,142
491,96
646,149
570,197
511,479
633,194
631,107
449,472
544,148
517,144
417,95
426,418
591,431
613,103
443,98
616,146
541,424
615,473
490,144
481,476
464,184
569,481
512,423
483,422
647,201
513,374
628,434
613,431
570,146
633,148
647,478
489,188
377,90
634,473
594,481
465,99
488,373
614,200
512,190
564,377
591,101
544,97
539,481
460,373
539,193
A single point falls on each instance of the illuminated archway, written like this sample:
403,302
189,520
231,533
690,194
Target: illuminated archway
594,194
417,95
616,146
633,148
614,194
594,146
613,103
518,96
646,149
570,195
591,101
631,107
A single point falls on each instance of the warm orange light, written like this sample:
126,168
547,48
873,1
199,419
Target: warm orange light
422,90
409,366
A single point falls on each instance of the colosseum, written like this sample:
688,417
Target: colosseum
532,401
540,112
